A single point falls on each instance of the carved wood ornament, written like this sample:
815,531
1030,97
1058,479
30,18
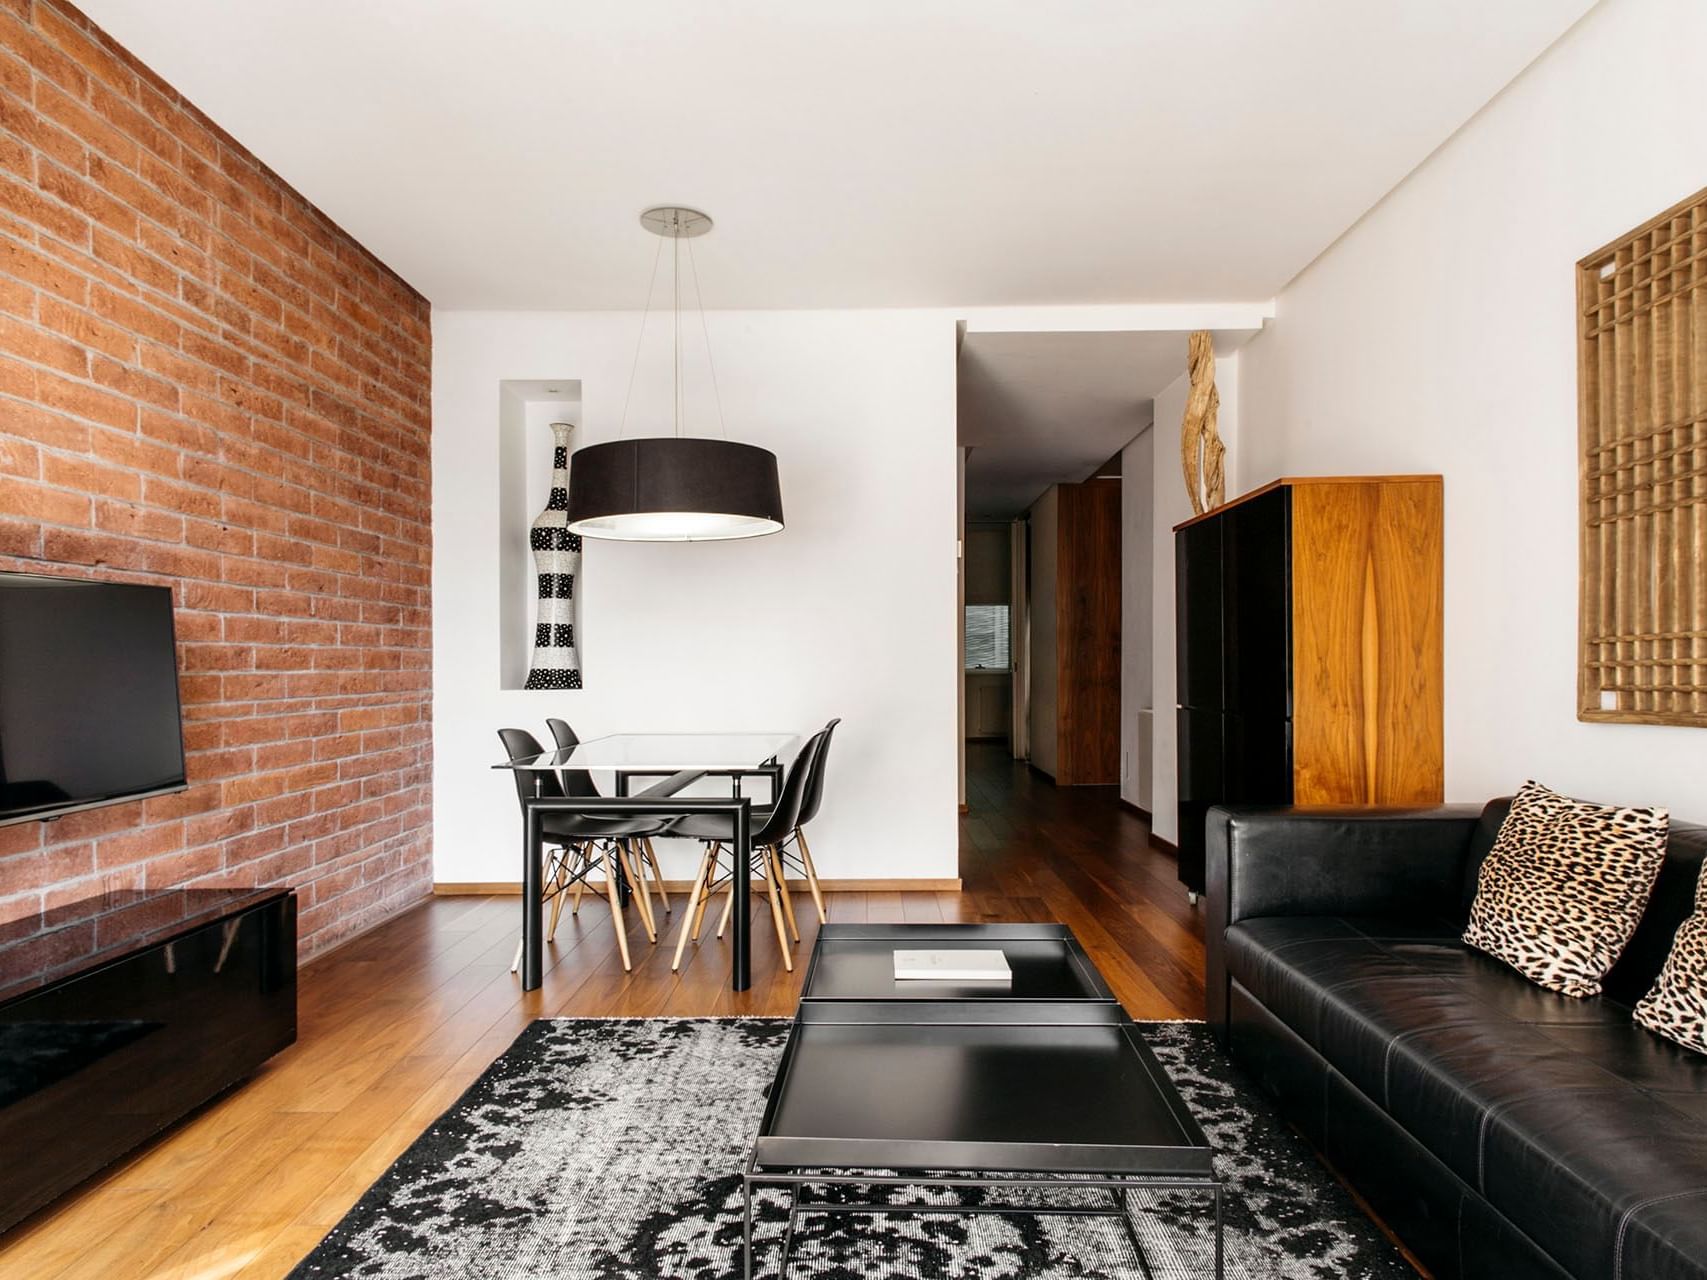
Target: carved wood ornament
1201,452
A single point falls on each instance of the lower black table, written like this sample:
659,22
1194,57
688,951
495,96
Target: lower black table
980,1091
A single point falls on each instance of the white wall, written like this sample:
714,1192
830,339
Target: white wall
1437,335
1172,505
850,611
1137,620
1045,530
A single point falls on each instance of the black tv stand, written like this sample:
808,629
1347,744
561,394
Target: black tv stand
121,1014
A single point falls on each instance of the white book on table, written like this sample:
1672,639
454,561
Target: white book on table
952,966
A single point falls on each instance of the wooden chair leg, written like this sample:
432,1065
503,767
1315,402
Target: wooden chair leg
638,887
710,865
776,918
651,860
586,868
811,874
616,910
781,875
699,888
556,914
728,905
516,964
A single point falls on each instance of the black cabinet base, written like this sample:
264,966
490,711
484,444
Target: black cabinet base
120,1016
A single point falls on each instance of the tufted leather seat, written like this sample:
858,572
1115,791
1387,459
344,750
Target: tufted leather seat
1560,1138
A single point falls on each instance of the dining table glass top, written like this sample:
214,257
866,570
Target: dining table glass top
707,752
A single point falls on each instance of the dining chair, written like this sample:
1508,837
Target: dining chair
795,853
582,845
579,782
772,825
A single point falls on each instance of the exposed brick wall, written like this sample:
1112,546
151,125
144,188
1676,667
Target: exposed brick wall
205,383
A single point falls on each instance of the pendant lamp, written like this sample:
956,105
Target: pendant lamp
674,488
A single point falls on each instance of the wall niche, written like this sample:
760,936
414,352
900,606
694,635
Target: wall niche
526,410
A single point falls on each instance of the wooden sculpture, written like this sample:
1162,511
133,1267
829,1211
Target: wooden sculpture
1201,450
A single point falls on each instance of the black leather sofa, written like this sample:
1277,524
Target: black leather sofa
1499,1129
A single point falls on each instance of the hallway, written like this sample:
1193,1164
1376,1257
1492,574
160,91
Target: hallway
1030,850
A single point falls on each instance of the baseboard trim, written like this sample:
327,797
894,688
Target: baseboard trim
1166,846
1137,809
490,888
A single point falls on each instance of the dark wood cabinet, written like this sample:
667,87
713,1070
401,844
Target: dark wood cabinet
1309,650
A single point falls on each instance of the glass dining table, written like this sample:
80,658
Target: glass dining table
667,763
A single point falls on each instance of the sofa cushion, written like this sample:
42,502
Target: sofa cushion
1565,886
1677,1006
1670,903
1578,1126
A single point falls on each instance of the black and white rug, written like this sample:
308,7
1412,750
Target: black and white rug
597,1149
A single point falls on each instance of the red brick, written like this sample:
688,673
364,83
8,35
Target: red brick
19,458
31,205
142,387
90,477
82,401
27,342
137,521
88,330
86,198
73,546
36,502
134,846
42,271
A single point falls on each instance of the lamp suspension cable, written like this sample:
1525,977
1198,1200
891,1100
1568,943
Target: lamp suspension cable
705,330
640,342
676,284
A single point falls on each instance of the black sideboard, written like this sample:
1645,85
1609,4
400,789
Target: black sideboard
121,1014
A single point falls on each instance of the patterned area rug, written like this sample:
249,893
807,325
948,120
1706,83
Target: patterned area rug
596,1149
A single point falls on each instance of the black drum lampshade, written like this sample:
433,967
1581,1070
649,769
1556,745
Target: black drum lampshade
674,489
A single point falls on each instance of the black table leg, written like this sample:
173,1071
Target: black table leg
740,887
533,924
623,890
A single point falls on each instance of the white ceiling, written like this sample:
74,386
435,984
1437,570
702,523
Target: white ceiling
1037,409
874,153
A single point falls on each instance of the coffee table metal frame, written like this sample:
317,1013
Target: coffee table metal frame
801,1162
1117,1185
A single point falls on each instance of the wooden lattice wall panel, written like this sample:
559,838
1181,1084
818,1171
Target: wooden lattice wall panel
1642,382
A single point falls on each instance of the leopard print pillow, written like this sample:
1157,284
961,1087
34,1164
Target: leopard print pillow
1564,886
1677,1006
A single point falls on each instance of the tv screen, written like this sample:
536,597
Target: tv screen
88,695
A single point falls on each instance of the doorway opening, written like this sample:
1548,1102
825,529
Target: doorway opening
1057,545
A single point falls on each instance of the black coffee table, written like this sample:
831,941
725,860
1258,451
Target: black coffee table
980,1091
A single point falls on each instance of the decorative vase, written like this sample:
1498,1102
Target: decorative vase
557,562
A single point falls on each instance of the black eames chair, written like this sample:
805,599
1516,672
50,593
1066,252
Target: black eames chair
793,850
580,845
578,782
774,825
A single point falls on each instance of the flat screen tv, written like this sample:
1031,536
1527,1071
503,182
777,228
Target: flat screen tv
88,695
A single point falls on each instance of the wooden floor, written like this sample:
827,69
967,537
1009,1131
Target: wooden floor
395,1024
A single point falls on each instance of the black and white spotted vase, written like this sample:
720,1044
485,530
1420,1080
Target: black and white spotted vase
557,561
